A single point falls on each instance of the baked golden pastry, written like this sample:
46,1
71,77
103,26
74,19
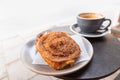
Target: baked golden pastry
58,49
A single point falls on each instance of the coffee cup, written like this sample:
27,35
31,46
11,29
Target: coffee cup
92,22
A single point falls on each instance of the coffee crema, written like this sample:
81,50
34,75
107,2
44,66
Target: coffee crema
91,15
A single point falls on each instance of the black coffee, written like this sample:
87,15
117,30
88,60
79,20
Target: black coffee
90,15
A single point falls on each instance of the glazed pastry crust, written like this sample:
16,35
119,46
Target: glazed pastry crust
58,49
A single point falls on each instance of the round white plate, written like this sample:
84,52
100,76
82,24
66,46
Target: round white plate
45,69
75,29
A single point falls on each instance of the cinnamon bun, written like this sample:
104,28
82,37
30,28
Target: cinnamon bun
58,49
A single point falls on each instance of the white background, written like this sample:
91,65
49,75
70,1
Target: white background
24,16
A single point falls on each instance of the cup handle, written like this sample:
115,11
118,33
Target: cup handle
105,27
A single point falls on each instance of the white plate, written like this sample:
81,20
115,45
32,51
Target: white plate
75,29
45,69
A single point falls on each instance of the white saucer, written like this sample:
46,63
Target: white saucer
75,29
